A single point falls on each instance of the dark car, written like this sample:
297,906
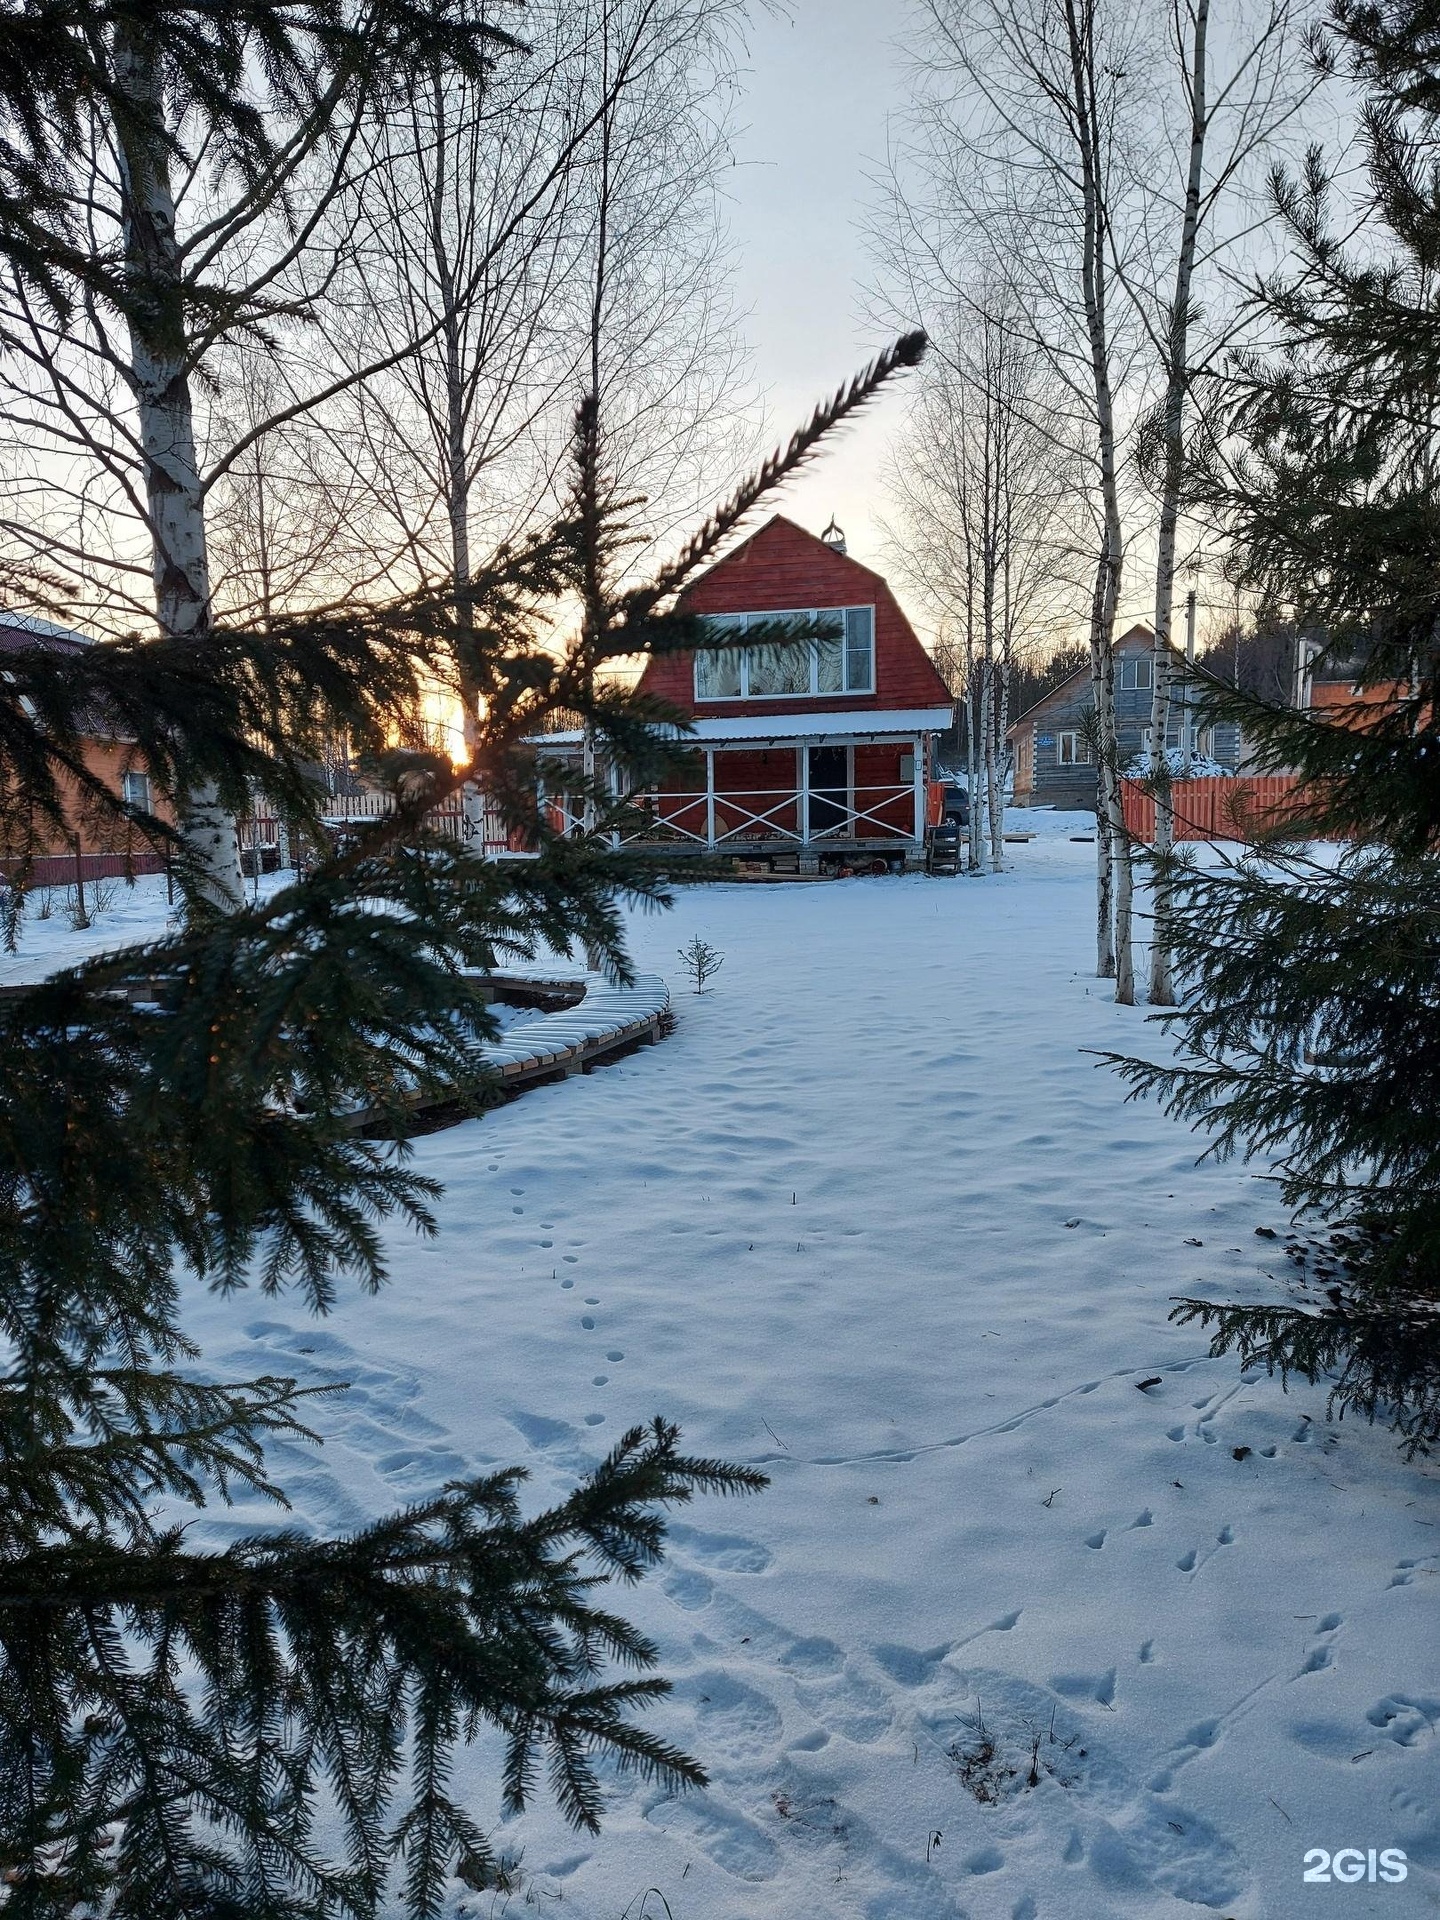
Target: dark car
957,804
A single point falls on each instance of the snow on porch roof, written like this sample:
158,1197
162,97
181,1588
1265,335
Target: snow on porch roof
864,724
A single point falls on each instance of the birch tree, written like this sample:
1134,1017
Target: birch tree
1016,160
1257,92
232,242
985,523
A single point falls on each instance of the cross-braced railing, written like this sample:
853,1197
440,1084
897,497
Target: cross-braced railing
852,813
778,813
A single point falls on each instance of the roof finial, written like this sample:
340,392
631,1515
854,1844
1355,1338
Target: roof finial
834,536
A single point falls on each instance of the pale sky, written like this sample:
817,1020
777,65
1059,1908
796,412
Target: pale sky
820,84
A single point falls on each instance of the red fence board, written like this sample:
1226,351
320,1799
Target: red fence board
1227,809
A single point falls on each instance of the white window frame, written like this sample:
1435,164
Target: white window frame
1076,756
1131,664
139,798
739,623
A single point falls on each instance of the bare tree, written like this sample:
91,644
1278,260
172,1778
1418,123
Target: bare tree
552,229
117,426
214,229
1258,91
984,495
1017,161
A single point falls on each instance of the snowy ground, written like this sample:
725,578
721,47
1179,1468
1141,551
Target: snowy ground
873,1219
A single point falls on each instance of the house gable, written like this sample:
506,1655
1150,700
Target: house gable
783,569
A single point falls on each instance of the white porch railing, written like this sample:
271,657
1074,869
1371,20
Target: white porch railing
852,812
770,813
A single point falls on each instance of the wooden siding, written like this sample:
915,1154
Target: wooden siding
1041,780
784,569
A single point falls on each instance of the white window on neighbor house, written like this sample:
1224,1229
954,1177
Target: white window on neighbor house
1135,672
135,790
839,659
1071,750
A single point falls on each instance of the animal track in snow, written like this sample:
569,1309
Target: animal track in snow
1406,1570
1123,1832
741,1724
1317,1656
1405,1720
1193,1559
1099,1687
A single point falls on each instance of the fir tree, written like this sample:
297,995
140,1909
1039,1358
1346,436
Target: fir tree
185,1732
174,1723
1311,1029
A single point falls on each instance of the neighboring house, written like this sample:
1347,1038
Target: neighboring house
819,748
1348,705
92,846
1054,764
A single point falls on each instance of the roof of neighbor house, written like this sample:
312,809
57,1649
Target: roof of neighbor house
782,568
1346,703
19,631
1138,635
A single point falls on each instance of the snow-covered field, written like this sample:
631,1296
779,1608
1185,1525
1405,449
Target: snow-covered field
873,1219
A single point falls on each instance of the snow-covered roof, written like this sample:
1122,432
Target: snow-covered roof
871,724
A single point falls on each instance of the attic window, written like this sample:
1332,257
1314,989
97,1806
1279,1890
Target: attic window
1134,672
839,659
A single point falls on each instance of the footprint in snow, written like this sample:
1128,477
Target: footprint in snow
375,1418
1405,1572
740,1725
736,1845
731,1552
1123,1833
1196,1740
1408,1721
1318,1654
1193,1558
1099,1687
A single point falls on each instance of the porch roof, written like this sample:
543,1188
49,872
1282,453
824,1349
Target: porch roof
778,729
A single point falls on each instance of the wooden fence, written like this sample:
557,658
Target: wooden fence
1234,808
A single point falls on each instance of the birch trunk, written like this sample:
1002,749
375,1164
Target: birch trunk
1162,977
160,383
457,459
980,803
993,807
1114,888
995,792
974,830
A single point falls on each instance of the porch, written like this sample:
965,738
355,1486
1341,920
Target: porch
821,795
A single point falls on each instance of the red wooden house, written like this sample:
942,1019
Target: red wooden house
817,748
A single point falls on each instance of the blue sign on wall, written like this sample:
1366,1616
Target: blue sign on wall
1044,739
